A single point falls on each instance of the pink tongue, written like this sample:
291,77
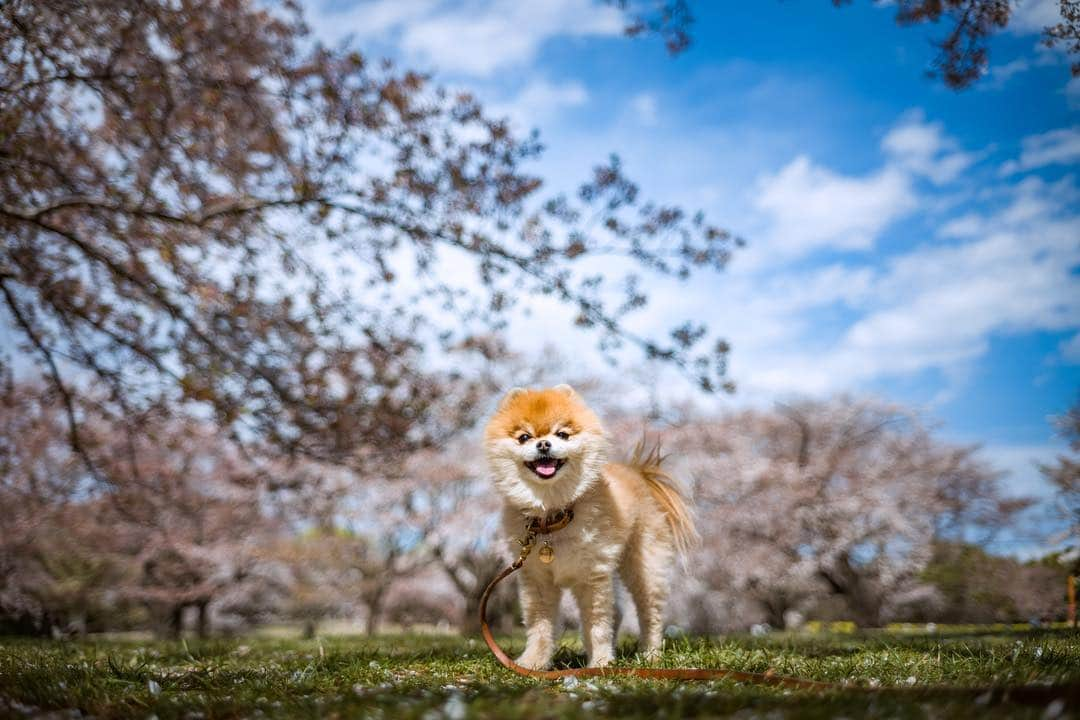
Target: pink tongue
545,467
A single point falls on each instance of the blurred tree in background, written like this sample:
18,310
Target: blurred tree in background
976,587
839,498
46,576
178,526
843,509
1064,475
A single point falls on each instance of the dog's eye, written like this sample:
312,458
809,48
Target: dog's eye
562,435
524,438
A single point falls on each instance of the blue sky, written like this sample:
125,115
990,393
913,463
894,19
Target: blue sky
905,239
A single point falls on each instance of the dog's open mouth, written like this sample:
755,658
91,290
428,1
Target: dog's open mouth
545,467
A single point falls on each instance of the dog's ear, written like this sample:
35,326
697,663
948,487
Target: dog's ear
510,395
566,390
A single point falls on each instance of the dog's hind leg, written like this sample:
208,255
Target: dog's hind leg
620,601
645,569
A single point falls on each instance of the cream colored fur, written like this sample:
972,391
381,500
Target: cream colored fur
629,519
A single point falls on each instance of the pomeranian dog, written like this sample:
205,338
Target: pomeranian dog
547,451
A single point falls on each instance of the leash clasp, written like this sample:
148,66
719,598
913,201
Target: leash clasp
527,543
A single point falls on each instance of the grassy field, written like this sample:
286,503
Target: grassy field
433,677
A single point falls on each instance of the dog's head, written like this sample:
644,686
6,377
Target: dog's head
544,447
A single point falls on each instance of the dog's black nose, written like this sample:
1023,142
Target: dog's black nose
543,445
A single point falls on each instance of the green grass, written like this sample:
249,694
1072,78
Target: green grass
432,677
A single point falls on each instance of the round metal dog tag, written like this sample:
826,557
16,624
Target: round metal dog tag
547,554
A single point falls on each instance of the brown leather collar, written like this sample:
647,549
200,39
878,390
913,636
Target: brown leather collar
553,521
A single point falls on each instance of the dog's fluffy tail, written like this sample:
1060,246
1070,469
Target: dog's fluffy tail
668,493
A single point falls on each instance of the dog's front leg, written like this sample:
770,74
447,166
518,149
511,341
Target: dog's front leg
540,608
596,604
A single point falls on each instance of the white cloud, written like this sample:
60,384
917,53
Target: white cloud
949,301
811,207
924,149
937,307
474,38
808,207
1001,74
1033,16
645,109
365,18
964,226
1072,93
539,101
1056,147
1070,349
1021,463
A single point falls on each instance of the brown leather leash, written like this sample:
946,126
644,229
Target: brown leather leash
1033,694
557,521
766,678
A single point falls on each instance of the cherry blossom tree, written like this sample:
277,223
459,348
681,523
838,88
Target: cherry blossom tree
48,579
188,511
340,573
178,525
364,536
468,543
1064,475
840,497
206,210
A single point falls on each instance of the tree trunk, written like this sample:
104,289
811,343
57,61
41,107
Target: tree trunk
470,621
774,608
374,612
175,624
500,612
203,626
862,599
864,602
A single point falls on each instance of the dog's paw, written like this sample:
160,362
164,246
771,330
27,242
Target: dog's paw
601,660
649,655
533,661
